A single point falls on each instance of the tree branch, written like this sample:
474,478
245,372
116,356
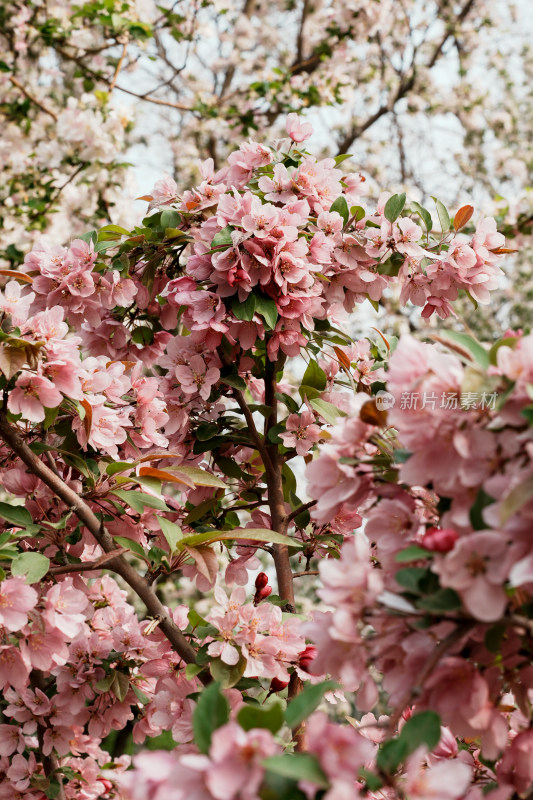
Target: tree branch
406,83
33,99
117,564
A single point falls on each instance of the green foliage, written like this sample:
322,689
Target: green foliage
211,712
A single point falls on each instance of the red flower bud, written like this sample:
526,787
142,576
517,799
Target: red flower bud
307,657
106,784
261,580
262,594
440,539
277,686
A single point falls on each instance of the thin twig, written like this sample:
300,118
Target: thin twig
87,566
301,509
119,66
32,99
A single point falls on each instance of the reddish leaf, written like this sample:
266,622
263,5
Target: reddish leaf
88,418
343,358
162,475
18,276
462,217
373,415
387,345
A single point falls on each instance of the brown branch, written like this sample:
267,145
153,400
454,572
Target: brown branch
33,99
119,66
406,84
99,77
300,37
276,501
85,514
301,509
87,566
303,574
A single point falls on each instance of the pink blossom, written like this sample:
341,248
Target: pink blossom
197,377
302,433
32,393
16,599
477,567
236,769
298,131
447,780
13,302
65,607
11,740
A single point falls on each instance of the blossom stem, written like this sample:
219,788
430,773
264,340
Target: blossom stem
117,564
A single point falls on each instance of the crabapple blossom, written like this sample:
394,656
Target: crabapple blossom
155,423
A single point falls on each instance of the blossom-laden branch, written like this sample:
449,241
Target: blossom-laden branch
117,563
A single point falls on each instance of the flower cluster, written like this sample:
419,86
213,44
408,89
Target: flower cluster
151,429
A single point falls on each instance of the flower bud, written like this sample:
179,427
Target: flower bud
307,657
440,539
277,686
262,594
261,581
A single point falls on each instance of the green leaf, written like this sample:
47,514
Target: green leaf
227,675
423,728
138,500
476,512
192,670
33,565
342,157
327,411
119,466
211,712
120,686
16,515
357,212
130,544
508,341
170,218
411,553
442,213
305,703
200,477
268,309
206,431
373,782
410,578
440,601
314,376
424,215
223,238
516,499
391,755
270,718
245,311
394,206
171,532
140,695
480,355
341,207
143,335
298,766
254,534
